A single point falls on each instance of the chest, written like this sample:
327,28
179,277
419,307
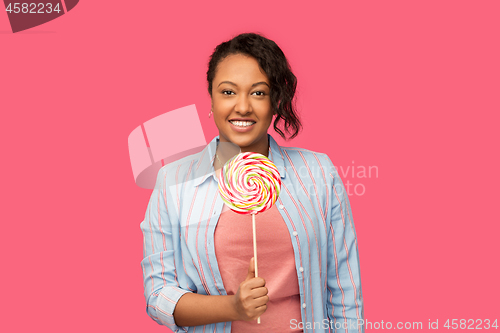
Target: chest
301,205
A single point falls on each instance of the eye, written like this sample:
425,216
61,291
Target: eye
224,91
261,93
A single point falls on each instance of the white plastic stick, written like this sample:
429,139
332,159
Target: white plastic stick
255,252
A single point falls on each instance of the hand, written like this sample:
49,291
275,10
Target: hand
251,298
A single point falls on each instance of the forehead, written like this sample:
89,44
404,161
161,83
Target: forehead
241,68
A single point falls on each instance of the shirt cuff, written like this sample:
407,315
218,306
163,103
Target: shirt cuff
167,300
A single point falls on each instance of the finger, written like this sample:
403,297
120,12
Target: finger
261,309
259,292
251,270
256,282
259,301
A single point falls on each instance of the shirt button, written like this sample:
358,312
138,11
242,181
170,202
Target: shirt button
215,213
295,233
282,207
301,269
304,305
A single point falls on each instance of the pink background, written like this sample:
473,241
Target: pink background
409,87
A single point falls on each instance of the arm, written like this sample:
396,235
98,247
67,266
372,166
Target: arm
161,287
249,302
344,297
167,303
209,309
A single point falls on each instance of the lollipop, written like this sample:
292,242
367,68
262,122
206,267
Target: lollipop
250,183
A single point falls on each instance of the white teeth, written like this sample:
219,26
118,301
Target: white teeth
242,123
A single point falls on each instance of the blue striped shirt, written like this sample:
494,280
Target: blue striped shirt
180,221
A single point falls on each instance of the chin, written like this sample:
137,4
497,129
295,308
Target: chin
241,142
244,140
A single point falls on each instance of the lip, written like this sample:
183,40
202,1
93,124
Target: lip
241,129
242,119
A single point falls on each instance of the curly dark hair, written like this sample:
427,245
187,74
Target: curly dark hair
274,63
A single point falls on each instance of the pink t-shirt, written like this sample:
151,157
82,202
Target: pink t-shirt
275,262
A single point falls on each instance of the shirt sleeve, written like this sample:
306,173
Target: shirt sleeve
161,287
344,297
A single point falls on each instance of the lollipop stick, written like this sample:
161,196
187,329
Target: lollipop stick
255,252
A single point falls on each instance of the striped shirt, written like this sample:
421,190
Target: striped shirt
179,225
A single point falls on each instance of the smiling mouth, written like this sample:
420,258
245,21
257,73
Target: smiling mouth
242,124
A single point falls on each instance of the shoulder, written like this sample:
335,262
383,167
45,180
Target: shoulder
310,170
180,171
302,157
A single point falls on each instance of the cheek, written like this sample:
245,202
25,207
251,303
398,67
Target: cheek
220,121
221,118
270,117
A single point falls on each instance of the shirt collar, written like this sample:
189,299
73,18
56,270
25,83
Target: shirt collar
205,168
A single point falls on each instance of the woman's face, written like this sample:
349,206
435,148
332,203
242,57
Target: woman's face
240,96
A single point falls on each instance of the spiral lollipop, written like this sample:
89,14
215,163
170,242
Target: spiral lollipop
250,183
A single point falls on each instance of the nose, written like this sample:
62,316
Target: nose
243,105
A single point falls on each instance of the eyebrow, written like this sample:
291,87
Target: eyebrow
253,85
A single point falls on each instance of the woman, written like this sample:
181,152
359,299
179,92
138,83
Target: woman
198,265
